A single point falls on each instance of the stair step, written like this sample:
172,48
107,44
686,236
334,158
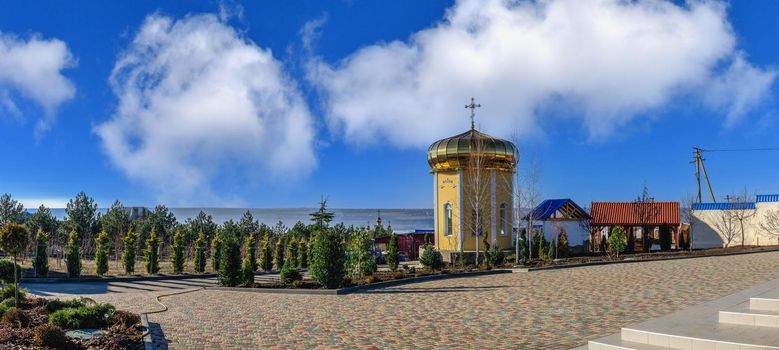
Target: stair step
764,303
746,315
716,340
614,342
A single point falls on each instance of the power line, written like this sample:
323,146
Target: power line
741,149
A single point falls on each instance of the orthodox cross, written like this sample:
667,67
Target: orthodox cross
472,106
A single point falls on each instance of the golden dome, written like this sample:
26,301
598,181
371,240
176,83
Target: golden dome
455,152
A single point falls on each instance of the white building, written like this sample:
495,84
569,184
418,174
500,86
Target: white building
557,215
720,224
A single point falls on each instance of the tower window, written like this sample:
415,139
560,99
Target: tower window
448,219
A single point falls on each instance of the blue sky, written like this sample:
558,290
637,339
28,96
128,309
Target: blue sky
344,97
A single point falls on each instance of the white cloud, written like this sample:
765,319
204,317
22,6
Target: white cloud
32,69
610,60
198,101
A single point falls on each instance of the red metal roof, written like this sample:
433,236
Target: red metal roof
630,213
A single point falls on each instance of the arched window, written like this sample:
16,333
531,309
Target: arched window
504,220
478,222
448,219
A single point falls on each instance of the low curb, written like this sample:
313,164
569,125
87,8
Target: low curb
114,279
362,288
599,263
148,343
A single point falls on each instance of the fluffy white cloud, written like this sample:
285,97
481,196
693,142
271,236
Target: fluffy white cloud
32,69
607,60
196,101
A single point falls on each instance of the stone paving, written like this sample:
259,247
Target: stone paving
557,309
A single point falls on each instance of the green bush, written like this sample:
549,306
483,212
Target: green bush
302,254
542,248
563,248
249,260
523,252
103,247
392,253
361,260
551,251
292,254
7,304
50,336
41,262
230,264
289,273
266,254
616,241
200,252
431,258
327,258
177,258
152,253
7,270
9,291
73,255
58,304
15,317
95,316
278,255
130,242
216,252
496,256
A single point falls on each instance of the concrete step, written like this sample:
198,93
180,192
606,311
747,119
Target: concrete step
745,315
765,301
735,337
614,342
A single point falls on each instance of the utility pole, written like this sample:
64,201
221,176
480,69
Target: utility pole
699,166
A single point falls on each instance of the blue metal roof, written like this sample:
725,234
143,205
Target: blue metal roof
548,207
767,198
722,206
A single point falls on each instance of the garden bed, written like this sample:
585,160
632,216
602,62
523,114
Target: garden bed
40,323
602,258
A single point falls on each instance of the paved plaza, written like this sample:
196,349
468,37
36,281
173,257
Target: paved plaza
557,309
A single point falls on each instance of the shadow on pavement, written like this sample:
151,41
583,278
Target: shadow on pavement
432,290
158,336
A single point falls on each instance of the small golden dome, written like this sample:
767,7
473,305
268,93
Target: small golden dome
455,152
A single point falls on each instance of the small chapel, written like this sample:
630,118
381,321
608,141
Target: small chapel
473,175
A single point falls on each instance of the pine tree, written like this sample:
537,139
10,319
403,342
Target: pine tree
73,255
41,263
523,254
230,261
302,254
249,260
216,252
200,252
327,258
177,258
392,253
563,248
292,255
266,254
102,249
362,261
152,253
278,256
130,245
616,241
542,245
551,251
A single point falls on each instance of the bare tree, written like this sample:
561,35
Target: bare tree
743,211
770,223
531,198
477,185
687,217
646,212
725,224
